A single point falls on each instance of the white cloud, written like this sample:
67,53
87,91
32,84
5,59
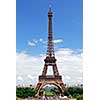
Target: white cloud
41,39
34,40
55,41
30,43
67,77
19,78
30,76
27,65
58,41
69,63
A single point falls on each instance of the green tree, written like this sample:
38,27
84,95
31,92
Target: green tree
79,97
17,98
41,91
76,92
25,92
66,93
55,90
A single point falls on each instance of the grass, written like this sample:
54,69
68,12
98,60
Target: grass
49,93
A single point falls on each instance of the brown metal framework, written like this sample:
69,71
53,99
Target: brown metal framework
50,60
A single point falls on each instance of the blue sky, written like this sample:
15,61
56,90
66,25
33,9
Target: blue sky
32,23
32,33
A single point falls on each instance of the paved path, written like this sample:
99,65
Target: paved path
52,98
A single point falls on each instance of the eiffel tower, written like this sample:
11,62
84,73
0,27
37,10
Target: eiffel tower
50,60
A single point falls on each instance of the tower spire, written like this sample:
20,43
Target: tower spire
50,20
50,49
50,6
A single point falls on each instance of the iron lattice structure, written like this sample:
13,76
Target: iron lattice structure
50,60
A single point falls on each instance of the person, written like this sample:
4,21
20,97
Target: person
70,96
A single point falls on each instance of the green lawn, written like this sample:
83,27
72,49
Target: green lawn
49,93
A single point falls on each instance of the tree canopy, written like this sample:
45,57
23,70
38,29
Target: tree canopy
76,92
24,92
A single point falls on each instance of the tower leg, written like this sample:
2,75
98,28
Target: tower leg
44,70
55,70
37,89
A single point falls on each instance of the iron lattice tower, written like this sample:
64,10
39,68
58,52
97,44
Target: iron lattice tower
50,60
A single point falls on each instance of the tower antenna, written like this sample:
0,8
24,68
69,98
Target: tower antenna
50,6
